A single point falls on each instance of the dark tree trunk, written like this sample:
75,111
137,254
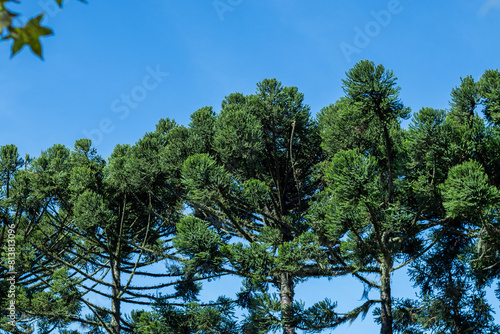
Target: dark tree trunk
7,183
385,296
286,295
390,172
115,302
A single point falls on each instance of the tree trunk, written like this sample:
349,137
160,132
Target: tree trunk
286,295
115,302
388,146
385,296
7,183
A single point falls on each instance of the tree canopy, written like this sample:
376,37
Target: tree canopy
266,192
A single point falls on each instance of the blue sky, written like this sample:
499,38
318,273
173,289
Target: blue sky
105,69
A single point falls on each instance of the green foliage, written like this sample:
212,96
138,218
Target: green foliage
52,173
379,182
56,305
343,125
451,300
204,178
430,155
98,224
9,164
464,99
374,89
467,192
264,192
28,34
202,129
200,244
255,183
238,135
214,318
46,294
352,176
453,155
319,316
489,90
90,212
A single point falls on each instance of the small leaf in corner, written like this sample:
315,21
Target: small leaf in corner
28,35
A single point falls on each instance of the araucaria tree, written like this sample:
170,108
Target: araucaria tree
455,153
250,195
264,192
99,230
366,202
45,294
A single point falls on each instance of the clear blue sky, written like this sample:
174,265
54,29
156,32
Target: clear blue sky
98,65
